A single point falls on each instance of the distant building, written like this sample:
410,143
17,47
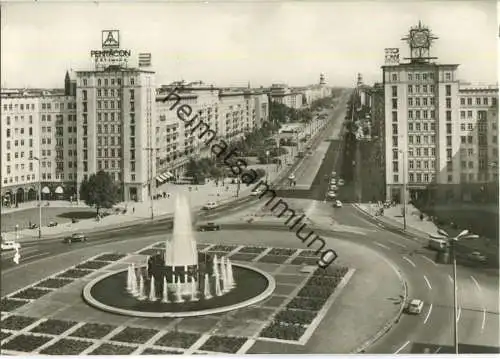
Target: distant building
281,93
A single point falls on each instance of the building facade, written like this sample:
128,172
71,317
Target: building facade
116,122
425,130
282,94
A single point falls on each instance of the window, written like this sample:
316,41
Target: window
394,116
469,139
394,78
426,125
410,164
395,166
410,114
417,77
448,128
448,76
419,164
417,101
395,154
410,127
410,87
396,178
426,177
410,139
448,153
448,90
395,141
394,91
424,87
410,77
410,101
462,115
412,177
469,101
478,101
462,101
448,140
448,103
394,103
395,129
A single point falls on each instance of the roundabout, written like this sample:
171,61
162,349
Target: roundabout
109,293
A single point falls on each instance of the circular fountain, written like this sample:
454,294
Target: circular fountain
179,281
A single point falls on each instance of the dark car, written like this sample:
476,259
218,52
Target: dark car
210,226
52,224
75,237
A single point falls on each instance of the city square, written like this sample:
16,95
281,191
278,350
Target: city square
318,191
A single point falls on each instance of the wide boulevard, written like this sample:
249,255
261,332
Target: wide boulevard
429,332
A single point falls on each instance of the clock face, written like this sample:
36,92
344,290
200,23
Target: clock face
419,39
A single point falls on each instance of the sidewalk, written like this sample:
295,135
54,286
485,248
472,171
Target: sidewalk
140,211
393,216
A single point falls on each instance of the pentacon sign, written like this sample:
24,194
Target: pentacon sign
111,54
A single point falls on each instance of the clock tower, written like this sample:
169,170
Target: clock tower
420,40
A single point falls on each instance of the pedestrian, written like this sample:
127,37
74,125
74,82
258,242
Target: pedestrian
421,216
133,209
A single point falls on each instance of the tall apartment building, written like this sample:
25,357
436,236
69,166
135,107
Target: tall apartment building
422,124
36,124
116,122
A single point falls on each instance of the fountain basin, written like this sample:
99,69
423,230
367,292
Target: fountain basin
108,293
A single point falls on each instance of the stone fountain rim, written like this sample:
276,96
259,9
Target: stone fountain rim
87,296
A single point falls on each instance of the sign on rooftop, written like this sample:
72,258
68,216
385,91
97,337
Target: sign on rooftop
111,54
392,56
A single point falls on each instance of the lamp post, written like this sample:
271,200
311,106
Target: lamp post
39,195
267,162
403,153
451,244
151,149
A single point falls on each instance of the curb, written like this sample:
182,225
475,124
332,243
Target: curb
392,228
389,324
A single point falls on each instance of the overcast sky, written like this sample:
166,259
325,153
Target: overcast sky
230,44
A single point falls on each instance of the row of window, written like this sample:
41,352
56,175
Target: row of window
485,101
482,139
112,141
112,152
112,116
112,129
424,76
16,119
111,105
108,82
483,152
421,126
421,101
112,164
45,106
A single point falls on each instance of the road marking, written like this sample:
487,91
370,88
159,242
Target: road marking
397,244
476,283
381,245
427,281
429,260
410,261
483,324
428,314
458,314
402,347
35,255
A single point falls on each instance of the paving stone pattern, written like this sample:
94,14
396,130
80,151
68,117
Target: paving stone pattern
90,331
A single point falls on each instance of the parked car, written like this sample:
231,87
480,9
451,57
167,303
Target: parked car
210,226
337,204
52,224
75,237
333,181
477,257
331,195
10,245
334,174
415,306
33,226
340,182
291,177
333,187
210,205
256,192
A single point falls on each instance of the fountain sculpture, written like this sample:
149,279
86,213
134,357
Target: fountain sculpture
177,271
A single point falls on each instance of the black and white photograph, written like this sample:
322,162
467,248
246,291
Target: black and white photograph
249,177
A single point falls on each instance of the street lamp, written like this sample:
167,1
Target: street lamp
39,195
403,152
267,161
451,244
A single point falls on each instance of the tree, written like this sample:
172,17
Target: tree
100,190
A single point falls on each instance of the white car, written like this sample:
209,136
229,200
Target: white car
415,306
256,192
333,187
331,194
477,257
10,245
341,182
291,177
333,181
334,174
337,204
210,205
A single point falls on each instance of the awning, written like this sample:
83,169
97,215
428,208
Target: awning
46,190
59,190
163,177
169,174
